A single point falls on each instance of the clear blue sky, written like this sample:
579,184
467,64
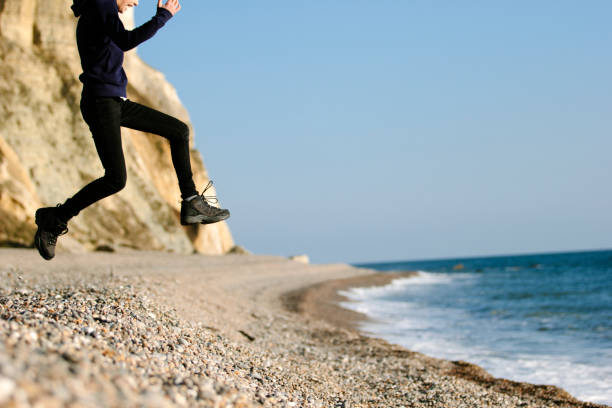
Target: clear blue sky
376,130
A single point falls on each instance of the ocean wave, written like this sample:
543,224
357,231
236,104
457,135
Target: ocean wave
398,286
542,319
443,332
587,380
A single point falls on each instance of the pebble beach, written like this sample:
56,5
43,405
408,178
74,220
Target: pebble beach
151,329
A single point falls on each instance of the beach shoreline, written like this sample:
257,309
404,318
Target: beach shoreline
159,329
322,301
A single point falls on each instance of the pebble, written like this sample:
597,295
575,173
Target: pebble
7,387
91,345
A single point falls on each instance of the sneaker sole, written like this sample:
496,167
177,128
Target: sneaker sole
201,219
39,245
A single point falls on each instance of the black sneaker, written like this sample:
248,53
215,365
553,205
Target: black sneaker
198,211
49,228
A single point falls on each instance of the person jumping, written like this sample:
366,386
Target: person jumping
102,40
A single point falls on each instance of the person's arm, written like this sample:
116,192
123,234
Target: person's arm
126,39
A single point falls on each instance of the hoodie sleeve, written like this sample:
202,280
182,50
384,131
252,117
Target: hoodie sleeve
126,39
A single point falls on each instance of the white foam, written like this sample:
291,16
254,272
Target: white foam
398,285
589,382
448,333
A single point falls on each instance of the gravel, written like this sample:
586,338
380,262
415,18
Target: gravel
81,337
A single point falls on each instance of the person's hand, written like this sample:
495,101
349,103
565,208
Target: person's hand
172,6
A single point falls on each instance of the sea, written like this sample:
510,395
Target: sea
538,318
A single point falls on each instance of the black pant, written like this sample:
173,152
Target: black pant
105,116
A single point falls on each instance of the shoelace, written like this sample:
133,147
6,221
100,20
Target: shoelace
60,230
209,199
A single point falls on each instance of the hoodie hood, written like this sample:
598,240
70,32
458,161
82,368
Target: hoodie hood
77,7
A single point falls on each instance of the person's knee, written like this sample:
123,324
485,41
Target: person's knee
115,181
182,132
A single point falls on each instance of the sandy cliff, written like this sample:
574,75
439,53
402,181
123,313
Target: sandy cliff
47,154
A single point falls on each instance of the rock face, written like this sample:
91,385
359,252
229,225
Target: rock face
47,153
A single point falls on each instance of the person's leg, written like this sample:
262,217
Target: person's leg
194,208
139,117
103,115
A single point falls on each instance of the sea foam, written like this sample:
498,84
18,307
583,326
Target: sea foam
421,314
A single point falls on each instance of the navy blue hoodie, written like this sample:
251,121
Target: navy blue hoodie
102,39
